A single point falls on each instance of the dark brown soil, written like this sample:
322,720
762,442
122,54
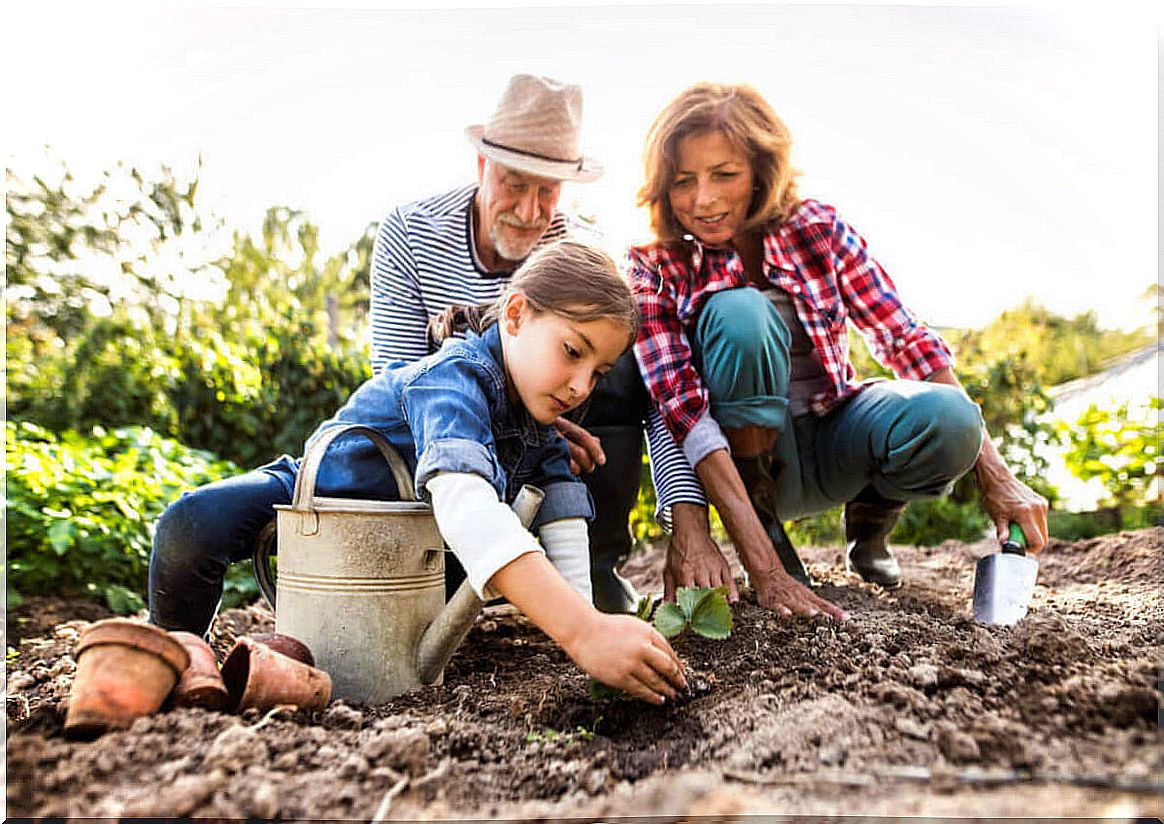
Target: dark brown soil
910,708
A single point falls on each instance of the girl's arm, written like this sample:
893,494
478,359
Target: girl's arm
619,650
500,556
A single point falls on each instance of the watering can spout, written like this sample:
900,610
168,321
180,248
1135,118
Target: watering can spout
445,634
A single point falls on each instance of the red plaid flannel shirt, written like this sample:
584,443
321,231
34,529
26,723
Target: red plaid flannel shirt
814,256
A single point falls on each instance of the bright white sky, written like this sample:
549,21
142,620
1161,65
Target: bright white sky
986,154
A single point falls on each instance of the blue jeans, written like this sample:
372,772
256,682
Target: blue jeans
908,440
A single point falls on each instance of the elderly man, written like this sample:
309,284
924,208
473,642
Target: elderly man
460,247
455,248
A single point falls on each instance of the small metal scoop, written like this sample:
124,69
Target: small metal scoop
1004,582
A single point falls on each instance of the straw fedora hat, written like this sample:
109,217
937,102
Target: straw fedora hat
535,129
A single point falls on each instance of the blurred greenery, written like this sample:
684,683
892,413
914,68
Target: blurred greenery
79,507
151,348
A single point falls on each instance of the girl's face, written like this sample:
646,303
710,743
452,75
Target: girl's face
553,362
712,188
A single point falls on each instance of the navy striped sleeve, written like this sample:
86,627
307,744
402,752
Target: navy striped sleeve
675,480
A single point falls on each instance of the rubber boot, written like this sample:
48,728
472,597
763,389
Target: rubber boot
869,519
615,489
756,471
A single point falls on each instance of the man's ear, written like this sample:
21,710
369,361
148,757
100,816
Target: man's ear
514,313
480,167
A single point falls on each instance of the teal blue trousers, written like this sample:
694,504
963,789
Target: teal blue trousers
906,440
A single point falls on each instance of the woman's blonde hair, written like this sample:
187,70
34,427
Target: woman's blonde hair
578,281
747,120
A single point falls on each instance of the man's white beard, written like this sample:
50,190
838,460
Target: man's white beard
515,250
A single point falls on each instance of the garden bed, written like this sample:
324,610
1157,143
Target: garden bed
910,708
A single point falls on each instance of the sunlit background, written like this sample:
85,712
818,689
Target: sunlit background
987,154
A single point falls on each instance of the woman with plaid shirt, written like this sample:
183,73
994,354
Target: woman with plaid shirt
745,296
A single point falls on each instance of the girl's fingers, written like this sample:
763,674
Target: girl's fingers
653,681
667,665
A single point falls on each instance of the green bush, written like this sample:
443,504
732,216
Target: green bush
926,523
247,402
80,508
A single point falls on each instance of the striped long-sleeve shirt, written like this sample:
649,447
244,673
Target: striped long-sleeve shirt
424,261
823,264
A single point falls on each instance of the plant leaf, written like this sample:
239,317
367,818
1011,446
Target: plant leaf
712,617
60,536
669,619
645,607
687,598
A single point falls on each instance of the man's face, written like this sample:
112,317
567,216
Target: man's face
514,209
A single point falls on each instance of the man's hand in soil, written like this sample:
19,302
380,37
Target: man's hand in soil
778,591
585,449
629,654
693,558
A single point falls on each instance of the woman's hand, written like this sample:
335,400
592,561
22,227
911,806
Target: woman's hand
627,653
1005,498
780,592
1008,500
585,449
693,558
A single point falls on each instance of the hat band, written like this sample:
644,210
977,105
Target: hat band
576,163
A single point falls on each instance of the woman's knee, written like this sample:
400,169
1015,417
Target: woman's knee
744,322
954,424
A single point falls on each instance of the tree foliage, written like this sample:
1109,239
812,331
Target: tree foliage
1118,446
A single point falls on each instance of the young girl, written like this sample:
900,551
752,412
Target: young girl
473,423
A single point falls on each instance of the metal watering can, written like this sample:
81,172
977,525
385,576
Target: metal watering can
362,583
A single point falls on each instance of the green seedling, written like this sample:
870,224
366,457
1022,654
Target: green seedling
702,610
550,735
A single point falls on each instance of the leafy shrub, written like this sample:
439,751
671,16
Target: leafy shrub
1119,446
246,402
926,523
80,507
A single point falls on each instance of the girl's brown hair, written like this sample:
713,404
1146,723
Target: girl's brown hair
578,281
747,120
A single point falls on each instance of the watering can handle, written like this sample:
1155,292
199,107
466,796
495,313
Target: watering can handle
303,498
304,495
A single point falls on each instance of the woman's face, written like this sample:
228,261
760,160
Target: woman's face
712,188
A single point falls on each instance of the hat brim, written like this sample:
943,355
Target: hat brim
589,170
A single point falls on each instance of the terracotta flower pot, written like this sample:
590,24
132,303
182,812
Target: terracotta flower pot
125,669
259,677
291,647
201,683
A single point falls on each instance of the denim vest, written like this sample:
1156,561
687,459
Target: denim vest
450,412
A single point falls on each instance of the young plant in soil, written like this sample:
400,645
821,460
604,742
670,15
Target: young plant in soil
700,610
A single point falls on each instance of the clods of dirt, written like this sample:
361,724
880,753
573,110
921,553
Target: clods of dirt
910,708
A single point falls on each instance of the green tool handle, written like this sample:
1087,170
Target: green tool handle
1016,541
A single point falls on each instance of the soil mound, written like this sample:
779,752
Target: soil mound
910,708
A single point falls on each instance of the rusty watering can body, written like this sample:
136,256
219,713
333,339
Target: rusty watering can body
362,583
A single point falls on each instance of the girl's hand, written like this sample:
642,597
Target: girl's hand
626,652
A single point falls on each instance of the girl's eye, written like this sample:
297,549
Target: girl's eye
573,353
682,183
726,175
